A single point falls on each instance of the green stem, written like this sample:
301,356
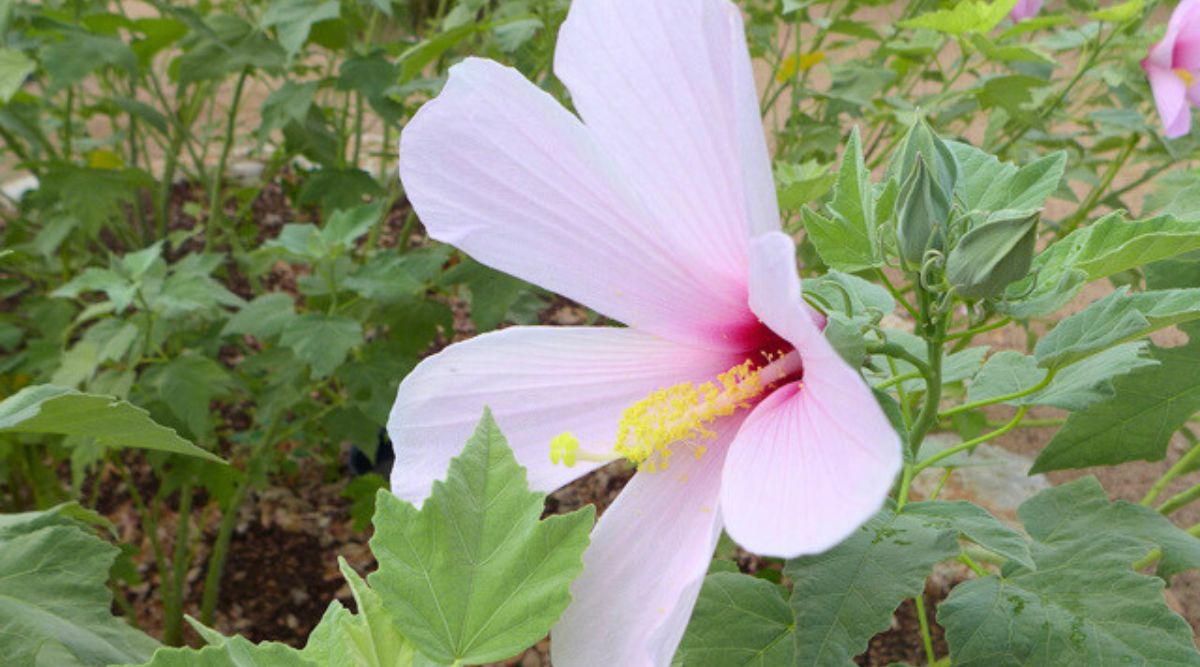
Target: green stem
926,638
182,558
897,379
216,561
1180,500
978,569
1002,399
150,527
1093,197
974,442
897,294
1184,464
215,208
983,328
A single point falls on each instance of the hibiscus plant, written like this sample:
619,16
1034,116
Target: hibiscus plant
792,276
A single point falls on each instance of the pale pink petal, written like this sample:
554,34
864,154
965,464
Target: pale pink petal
667,89
1179,27
1025,9
538,382
817,458
1170,98
644,566
498,168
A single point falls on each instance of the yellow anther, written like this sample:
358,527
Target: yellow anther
682,413
1186,77
564,448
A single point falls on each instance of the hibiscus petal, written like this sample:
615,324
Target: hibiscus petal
667,89
496,167
1170,99
538,382
820,453
644,566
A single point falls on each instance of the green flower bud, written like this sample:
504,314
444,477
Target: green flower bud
920,141
993,254
922,210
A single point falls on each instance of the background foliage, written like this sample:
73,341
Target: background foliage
213,262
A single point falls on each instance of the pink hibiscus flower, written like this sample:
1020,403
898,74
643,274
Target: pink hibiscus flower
1173,68
655,207
1025,9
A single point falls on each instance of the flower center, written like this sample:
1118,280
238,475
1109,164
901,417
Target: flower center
680,416
1185,76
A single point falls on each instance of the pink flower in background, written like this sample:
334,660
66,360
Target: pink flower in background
1173,67
655,207
1025,9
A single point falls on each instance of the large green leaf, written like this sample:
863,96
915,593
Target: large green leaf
322,340
1106,247
112,422
1074,388
1115,319
1147,407
368,639
267,315
968,16
846,595
294,19
739,621
1083,606
977,525
54,599
847,239
15,66
987,184
473,576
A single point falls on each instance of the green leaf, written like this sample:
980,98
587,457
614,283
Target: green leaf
846,595
228,652
1074,388
414,60
1148,406
968,16
739,620
799,184
267,315
15,67
294,19
1117,318
986,184
187,384
847,240
55,602
976,524
80,53
346,226
473,576
113,423
366,639
1106,247
1119,13
322,341
1083,605
493,292
227,44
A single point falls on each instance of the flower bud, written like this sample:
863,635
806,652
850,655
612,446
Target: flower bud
993,254
920,141
921,212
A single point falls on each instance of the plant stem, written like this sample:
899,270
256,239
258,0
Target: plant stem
1180,500
1093,197
1002,399
974,442
897,294
215,208
926,638
216,560
171,607
1184,464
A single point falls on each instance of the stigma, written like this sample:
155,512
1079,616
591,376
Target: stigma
1185,76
